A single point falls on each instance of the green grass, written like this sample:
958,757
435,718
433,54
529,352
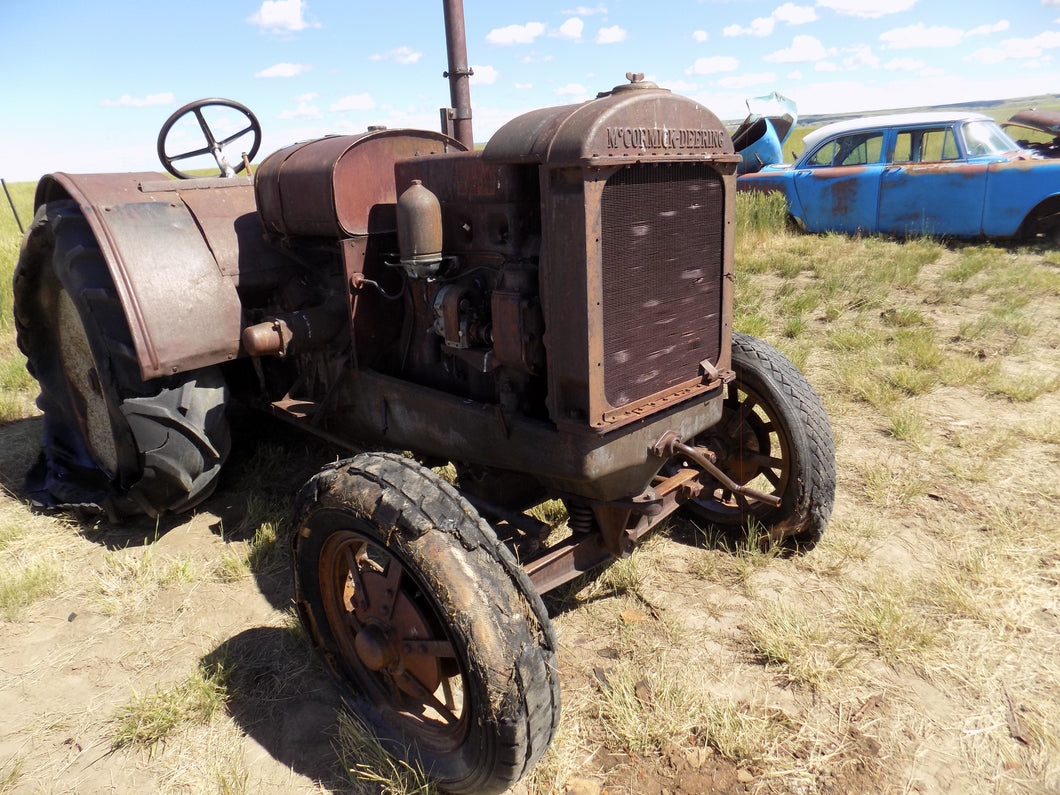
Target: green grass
17,388
151,719
938,366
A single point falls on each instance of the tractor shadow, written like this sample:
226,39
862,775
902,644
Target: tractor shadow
281,697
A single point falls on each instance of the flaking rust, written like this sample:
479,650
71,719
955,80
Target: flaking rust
536,314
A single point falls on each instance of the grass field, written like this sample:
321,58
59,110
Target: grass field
916,649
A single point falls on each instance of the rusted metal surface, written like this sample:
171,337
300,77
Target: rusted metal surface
1045,120
636,306
164,269
1037,131
981,185
459,73
342,185
374,408
380,621
634,122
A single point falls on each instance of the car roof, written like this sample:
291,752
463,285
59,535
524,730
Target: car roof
889,120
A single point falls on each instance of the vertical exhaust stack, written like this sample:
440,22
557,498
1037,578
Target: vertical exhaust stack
456,120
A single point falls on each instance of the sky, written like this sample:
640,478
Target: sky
85,85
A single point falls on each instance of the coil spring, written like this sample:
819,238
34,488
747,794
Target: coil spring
580,518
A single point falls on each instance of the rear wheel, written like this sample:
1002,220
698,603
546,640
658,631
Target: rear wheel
431,626
774,436
111,440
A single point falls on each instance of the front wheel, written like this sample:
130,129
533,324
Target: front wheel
774,436
431,626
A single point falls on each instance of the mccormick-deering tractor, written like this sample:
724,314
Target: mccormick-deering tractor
552,314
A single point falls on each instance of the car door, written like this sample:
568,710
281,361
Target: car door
839,184
928,187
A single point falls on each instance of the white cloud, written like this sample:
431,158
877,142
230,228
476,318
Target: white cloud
861,57
791,14
611,35
1019,49
920,35
585,11
303,111
699,36
284,70
572,90
997,27
746,80
571,29
763,26
524,86
515,34
279,16
904,65
803,49
867,9
713,65
128,101
309,97
401,55
679,86
354,102
483,75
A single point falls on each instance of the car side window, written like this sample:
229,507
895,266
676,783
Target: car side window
823,156
859,150
925,146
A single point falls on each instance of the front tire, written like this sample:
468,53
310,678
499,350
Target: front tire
112,441
774,436
432,628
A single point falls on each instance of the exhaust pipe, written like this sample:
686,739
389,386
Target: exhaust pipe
456,120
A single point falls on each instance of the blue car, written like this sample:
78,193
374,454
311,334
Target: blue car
946,174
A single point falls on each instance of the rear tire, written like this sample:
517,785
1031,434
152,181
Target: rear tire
112,441
435,632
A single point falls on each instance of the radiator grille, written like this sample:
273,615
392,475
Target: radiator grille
662,241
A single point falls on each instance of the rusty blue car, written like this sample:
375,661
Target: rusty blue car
954,175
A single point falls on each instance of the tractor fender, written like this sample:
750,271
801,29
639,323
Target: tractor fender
177,250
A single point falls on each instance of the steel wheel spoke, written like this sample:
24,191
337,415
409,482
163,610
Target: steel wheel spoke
390,588
772,476
360,601
234,136
441,649
762,461
450,702
426,697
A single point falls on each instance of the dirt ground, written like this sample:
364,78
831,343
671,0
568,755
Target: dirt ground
77,658
142,605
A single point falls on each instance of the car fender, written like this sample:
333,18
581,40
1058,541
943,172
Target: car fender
774,179
1017,190
174,250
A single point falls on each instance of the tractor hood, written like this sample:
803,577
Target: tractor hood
632,122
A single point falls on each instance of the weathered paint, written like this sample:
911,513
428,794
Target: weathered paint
1003,195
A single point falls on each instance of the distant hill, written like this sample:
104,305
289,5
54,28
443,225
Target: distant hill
1000,109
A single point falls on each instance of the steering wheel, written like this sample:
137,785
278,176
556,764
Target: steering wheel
213,146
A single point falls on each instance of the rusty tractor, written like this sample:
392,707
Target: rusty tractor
552,314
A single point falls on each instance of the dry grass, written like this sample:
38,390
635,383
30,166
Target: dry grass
915,650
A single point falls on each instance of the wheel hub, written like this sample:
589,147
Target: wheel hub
375,646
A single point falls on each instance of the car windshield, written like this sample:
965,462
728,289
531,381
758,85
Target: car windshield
987,138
